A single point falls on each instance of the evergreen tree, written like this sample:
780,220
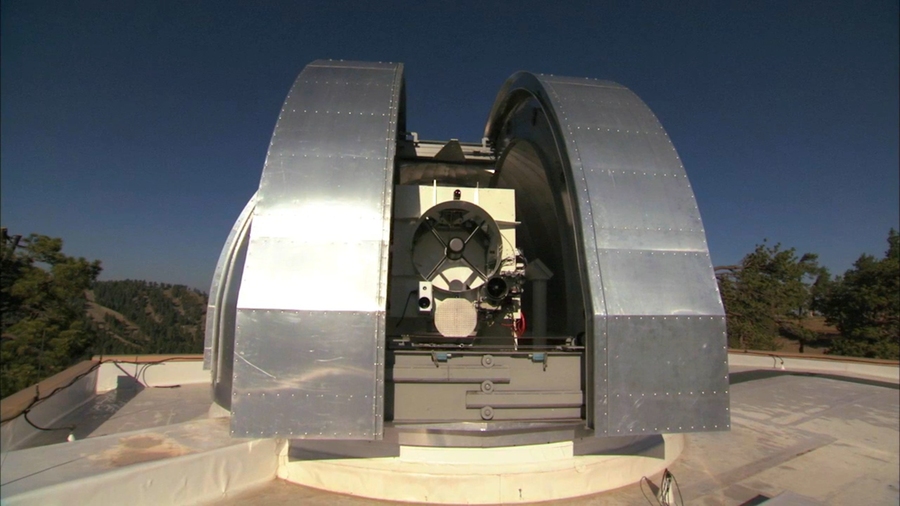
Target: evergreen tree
865,306
55,313
44,325
168,318
768,294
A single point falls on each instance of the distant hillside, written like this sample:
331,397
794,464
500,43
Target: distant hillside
142,317
823,335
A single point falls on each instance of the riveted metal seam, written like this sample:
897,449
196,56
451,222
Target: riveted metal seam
592,270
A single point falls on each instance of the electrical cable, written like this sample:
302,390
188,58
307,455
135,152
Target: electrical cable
405,307
46,429
37,398
678,488
511,247
662,502
517,326
142,377
643,479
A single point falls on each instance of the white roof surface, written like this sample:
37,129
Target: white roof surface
826,437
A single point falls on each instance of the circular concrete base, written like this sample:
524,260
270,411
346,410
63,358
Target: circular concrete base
501,475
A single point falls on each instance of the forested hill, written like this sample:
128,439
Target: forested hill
55,313
143,317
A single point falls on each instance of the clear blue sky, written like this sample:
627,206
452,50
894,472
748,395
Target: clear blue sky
136,131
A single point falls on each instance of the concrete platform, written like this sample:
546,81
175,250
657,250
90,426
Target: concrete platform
806,434
504,475
822,439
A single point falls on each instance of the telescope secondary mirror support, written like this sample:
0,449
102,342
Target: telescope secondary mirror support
538,310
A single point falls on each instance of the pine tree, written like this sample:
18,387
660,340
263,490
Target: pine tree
768,294
864,305
45,328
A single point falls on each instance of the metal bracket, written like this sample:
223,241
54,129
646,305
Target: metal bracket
439,356
539,357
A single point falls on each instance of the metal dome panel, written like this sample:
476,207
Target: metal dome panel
652,308
601,200
309,341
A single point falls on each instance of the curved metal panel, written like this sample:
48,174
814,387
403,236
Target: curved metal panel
218,348
651,305
309,348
